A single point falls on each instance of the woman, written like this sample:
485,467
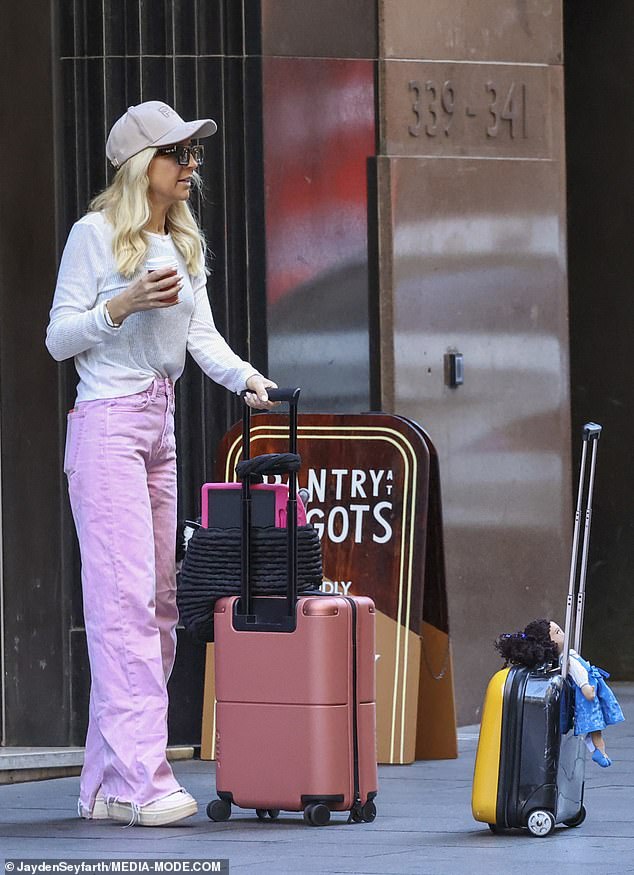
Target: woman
128,331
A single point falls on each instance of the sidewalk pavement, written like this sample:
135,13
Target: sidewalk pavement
423,826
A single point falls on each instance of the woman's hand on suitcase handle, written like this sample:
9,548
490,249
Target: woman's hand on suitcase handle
256,395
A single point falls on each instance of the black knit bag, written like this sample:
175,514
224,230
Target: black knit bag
211,570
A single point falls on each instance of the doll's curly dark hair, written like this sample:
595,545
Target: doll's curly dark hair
531,648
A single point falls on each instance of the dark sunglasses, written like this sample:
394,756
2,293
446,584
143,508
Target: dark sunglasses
182,153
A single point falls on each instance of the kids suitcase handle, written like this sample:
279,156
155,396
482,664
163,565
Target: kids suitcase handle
591,434
592,431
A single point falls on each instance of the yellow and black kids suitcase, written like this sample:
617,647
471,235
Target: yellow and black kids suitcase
530,766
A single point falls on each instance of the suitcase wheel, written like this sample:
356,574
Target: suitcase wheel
495,828
363,813
267,813
317,814
540,823
368,811
578,820
219,810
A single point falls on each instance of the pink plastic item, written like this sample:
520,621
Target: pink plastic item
281,497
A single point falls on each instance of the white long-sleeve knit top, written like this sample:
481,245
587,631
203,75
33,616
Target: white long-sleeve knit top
114,362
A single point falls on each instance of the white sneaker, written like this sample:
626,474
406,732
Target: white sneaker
169,809
99,809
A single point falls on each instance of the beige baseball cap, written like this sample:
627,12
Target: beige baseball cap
148,124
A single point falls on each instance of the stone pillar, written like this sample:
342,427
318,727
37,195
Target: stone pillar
470,191
34,597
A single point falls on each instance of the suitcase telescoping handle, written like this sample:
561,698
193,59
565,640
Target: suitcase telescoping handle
591,435
291,397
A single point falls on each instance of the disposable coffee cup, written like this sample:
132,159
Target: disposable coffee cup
160,262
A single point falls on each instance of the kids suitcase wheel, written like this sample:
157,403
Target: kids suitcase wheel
317,814
540,823
578,820
219,810
262,813
494,828
274,813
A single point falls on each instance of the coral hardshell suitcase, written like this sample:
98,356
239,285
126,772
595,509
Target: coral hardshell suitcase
530,766
295,691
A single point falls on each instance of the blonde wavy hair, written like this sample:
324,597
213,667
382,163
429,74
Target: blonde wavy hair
126,205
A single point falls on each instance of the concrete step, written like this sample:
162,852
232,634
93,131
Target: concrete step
19,764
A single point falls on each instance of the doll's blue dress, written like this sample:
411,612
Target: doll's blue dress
603,710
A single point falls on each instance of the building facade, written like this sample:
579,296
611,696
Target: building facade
388,186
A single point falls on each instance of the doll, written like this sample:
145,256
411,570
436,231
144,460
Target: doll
596,706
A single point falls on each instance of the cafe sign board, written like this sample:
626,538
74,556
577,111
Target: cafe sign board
367,477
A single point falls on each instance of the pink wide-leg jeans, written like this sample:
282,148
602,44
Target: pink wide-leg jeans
120,461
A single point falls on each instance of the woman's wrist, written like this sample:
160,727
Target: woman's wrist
116,311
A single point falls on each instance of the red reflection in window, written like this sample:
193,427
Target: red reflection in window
318,132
